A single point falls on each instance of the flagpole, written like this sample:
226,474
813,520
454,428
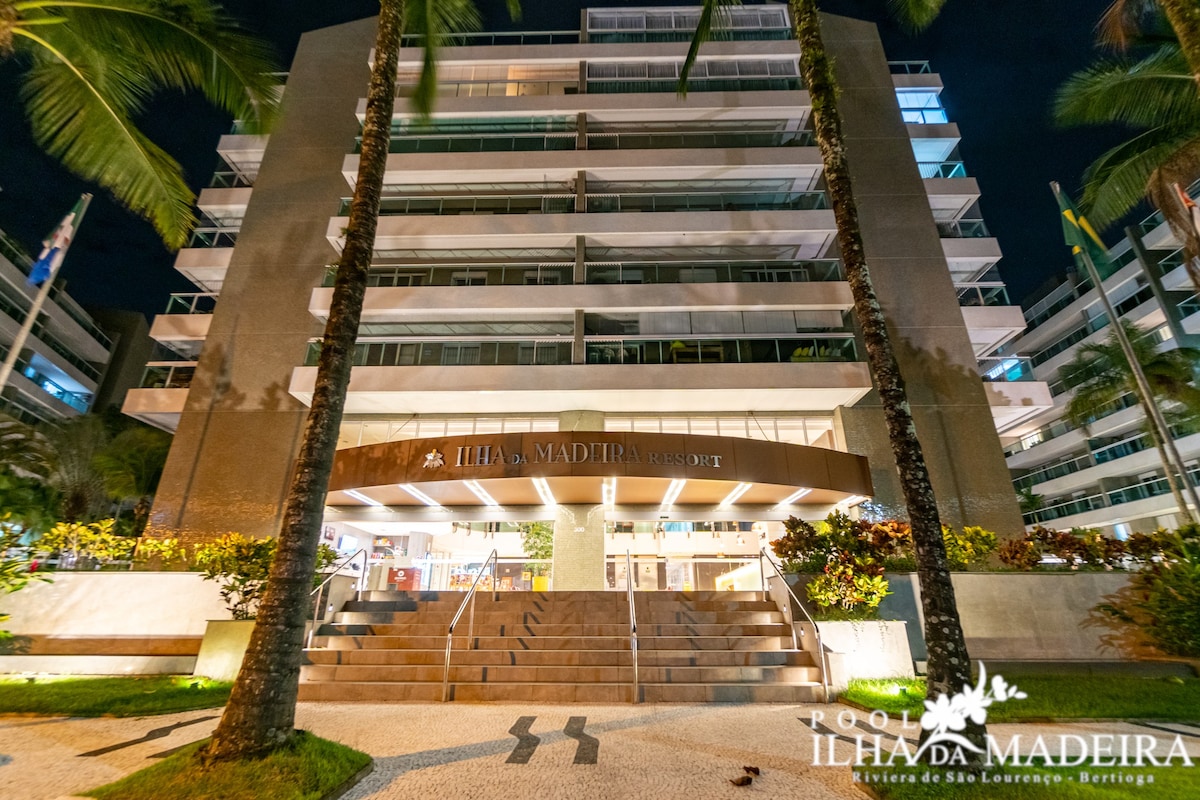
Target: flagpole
18,343
1139,377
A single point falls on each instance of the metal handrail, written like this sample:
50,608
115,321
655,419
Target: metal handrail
629,578
317,591
493,559
823,664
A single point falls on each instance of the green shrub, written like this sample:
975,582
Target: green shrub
968,548
241,566
1164,598
86,545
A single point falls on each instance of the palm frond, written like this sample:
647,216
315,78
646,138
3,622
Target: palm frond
1117,181
711,12
80,115
434,21
1124,21
916,14
1182,169
1156,91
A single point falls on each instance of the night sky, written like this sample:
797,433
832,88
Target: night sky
1000,62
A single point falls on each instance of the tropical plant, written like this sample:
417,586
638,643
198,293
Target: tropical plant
78,544
240,565
261,712
537,541
1163,599
164,552
16,571
1099,374
970,547
131,466
948,662
91,65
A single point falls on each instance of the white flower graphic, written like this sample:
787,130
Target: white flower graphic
946,715
433,459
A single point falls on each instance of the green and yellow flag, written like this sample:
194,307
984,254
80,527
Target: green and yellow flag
1081,236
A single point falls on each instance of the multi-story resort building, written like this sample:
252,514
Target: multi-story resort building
1108,475
60,367
593,303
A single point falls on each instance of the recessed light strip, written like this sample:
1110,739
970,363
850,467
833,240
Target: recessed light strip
543,490
417,493
673,492
481,493
854,499
733,496
793,497
608,492
357,495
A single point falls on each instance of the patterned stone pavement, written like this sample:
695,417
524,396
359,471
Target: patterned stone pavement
502,751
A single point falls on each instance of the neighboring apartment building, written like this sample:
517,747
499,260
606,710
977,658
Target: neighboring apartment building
63,361
1110,475
593,302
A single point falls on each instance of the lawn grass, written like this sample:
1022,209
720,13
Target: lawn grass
306,769
1159,783
1054,696
110,697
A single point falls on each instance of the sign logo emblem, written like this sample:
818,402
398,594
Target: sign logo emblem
433,459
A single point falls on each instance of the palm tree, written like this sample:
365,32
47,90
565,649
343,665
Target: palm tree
90,67
1099,373
75,447
131,466
1157,98
1125,20
262,707
949,665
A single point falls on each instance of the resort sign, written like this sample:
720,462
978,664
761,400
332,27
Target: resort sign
486,455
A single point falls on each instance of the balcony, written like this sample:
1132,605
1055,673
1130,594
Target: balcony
1119,500
963,229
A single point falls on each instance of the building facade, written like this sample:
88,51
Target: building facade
594,303
62,363
1109,475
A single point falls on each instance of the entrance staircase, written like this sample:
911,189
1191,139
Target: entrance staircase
563,647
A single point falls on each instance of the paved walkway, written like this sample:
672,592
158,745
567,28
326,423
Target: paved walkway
517,751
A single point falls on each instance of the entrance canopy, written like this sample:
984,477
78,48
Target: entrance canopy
646,471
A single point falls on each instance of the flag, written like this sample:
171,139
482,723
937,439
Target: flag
54,248
1189,208
1081,237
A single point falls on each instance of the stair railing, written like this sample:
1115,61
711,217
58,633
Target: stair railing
362,581
822,661
630,575
494,560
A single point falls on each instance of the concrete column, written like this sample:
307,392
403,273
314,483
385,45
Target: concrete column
581,131
581,192
578,345
580,275
579,548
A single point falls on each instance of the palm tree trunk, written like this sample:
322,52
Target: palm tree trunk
262,708
949,666
1184,17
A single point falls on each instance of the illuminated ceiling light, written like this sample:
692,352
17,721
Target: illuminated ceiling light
854,499
357,495
673,492
608,492
793,497
733,496
481,493
543,490
417,493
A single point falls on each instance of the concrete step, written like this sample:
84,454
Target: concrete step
532,630
596,693
548,658
503,673
660,614
526,598
517,643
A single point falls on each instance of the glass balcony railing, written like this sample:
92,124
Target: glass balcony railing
1099,455
213,237
942,169
637,140
1006,369
599,273
909,67
192,303
670,85
173,376
490,39
497,88
497,143
458,353
982,294
15,406
722,351
709,201
228,179
924,116
1189,306
710,272
76,400
476,204
1096,323
963,229
727,35
1128,494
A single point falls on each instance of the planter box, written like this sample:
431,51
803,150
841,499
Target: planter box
223,648
865,649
